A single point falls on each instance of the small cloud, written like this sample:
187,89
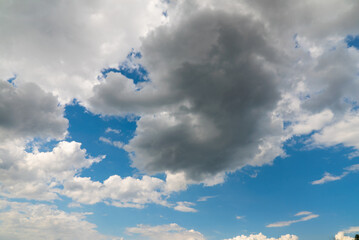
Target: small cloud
239,217
74,205
306,217
330,178
205,198
185,207
105,140
118,144
260,236
303,213
111,130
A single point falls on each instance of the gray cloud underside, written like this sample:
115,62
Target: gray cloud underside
208,107
26,111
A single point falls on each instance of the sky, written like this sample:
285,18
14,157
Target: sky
179,119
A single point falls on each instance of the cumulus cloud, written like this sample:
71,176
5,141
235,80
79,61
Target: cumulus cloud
306,217
39,221
208,107
37,175
260,236
26,111
341,235
68,44
165,232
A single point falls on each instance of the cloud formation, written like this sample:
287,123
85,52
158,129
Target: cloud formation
330,178
260,236
68,44
306,217
165,232
208,107
26,112
39,221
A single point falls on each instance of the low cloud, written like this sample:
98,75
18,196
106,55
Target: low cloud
40,221
165,232
260,236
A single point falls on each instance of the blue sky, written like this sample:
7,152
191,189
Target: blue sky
208,122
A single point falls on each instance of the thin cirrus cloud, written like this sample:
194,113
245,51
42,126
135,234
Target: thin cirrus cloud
306,217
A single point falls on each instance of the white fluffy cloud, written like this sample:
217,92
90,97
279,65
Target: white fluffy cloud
67,44
46,175
165,232
37,175
39,221
342,234
260,236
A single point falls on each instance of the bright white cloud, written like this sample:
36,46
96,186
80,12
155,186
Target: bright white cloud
68,44
36,175
39,221
260,236
165,232
342,234
306,217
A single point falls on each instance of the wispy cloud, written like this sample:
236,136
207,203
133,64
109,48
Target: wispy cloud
118,144
185,207
306,217
330,178
111,130
205,198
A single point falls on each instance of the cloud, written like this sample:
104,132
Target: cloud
208,107
68,44
118,144
205,198
260,236
26,111
330,178
341,235
46,175
111,130
37,175
165,232
306,217
40,221
185,207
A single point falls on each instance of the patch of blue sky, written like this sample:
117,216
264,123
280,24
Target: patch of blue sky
296,43
12,79
87,128
352,41
277,193
130,69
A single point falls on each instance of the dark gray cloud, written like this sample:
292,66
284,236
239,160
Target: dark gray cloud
217,88
26,111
